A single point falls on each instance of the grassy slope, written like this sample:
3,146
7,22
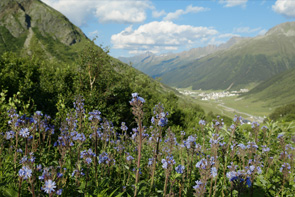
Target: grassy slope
250,61
276,91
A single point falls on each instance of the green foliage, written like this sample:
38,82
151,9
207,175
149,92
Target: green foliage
285,113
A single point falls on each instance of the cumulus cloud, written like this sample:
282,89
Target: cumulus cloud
105,11
189,9
158,36
285,7
233,3
247,30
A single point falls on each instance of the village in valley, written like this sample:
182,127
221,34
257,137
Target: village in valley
205,96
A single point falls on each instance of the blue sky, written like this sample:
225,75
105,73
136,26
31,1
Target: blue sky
131,27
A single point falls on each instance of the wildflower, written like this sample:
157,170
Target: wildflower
150,161
9,135
129,158
198,184
59,192
202,163
136,98
49,186
280,136
25,172
24,132
88,160
213,172
202,122
123,126
179,169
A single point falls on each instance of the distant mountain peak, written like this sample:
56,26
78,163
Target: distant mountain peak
287,29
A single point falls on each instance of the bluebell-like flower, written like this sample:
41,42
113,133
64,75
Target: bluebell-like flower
179,169
49,186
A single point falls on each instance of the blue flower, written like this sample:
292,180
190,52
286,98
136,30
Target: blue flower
248,182
49,186
25,172
198,184
179,169
88,160
129,158
165,164
213,172
59,192
202,122
24,132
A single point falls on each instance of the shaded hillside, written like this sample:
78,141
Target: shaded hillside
248,62
278,90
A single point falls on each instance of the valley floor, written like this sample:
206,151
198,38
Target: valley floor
229,104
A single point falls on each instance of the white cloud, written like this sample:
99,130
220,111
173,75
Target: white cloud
247,30
229,35
105,11
189,9
157,14
262,32
233,3
285,7
93,34
158,36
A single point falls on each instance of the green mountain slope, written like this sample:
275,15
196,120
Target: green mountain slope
47,61
250,61
32,27
278,90
158,65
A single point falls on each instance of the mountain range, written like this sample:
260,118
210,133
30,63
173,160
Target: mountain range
239,63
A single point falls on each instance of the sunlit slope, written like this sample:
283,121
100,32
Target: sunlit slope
250,61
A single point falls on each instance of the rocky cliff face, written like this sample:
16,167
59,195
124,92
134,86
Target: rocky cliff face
19,16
